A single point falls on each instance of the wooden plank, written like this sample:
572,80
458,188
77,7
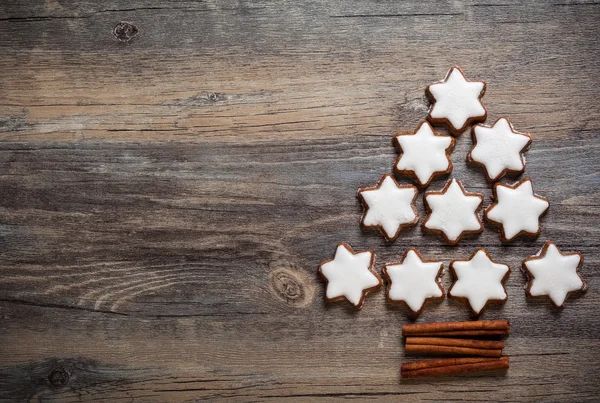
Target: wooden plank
165,201
289,70
131,242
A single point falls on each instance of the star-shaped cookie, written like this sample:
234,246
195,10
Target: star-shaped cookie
456,101
452,212
499,149
413,281
478,281
388,207
553,274
516,209
350,275
424,154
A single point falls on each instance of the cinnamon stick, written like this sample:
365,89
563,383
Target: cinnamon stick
442,341
470,333
496,364
444,362
442,328
434,349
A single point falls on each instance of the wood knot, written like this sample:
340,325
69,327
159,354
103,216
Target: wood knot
125,31
290,287
58,377
216,97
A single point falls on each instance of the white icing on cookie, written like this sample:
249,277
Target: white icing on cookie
349,275
424,153
413,281
453,211
390,206
517,209
498,148
479,280
554,273
457,100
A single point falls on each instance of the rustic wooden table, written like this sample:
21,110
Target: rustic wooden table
173,172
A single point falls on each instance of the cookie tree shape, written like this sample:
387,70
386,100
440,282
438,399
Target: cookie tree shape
350,275
478,281
413,281
452,212
516,209
424,154
499,149
456,101
553,274
388,207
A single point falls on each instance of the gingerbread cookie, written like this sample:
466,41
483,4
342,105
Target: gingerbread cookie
517,210
478,281
424,154
350,275
553,274
456,101
499,149
452,212
413,281
388,207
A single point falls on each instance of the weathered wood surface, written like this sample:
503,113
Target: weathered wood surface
165,201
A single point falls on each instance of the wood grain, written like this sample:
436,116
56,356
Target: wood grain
169,187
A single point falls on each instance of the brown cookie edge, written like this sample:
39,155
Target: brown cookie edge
531,235
505,172
411,173
466,300
530,277
445,121
429,211
388,281
365,291
379,227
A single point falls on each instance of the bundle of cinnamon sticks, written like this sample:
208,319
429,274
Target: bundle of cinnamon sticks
455,338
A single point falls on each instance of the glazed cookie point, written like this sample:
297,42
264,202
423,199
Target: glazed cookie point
479,280
413,281
554,274
424,154
453,212
517,209
499,149
350,275
456,101
388,207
